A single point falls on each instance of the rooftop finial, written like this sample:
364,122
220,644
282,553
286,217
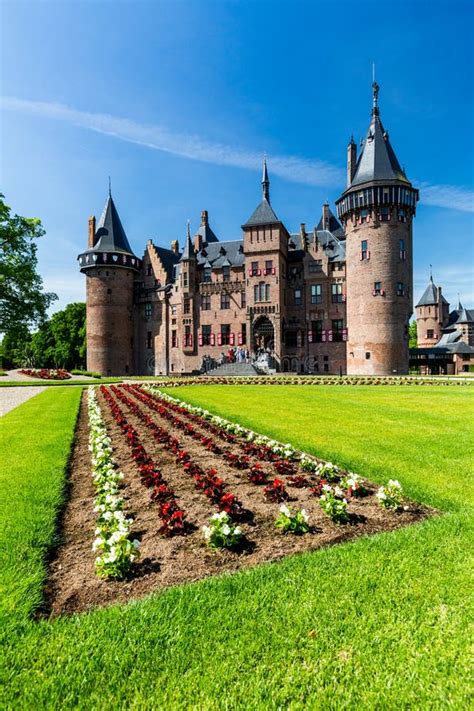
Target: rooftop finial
431,272
188,229
265,180
375,92
110,187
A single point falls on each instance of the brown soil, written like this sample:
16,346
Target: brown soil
72,584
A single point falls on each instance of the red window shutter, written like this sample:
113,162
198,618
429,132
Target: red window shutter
274,271
323,336
190,343
368,255
344,334
239,338
343,298
200,339
310,336
232,339
213,339
250,272
330,335
219,339
259,272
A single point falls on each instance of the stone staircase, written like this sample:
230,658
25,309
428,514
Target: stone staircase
240,369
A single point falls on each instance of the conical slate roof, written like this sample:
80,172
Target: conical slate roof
377,160
110,235
430,295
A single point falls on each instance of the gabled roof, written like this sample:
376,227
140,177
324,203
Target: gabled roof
110,235
461,315
334,247
334,225
377,161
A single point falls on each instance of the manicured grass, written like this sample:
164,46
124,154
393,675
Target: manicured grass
378,623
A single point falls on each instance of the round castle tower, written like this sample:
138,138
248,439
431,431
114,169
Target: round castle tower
377,211
110,267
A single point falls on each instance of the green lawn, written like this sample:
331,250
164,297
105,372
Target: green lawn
378,623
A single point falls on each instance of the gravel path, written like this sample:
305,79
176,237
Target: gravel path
12,397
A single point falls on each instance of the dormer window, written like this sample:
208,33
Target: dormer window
207,275
226,273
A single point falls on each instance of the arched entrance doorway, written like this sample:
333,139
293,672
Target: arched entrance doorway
263,335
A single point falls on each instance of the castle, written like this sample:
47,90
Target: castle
336,299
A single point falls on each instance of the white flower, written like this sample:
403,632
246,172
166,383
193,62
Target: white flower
338,491
226,530
285,510
395,483
237,531
136,543
207,532
305,515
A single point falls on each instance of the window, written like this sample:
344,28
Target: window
149,270
185,279
243,331
269,266
206,302
337,266
148,339
186,306
402,215
207,275
336,293
173,309
367,355
243,299
148,310
226,273
384,214
291,339
316,294
225,334
298,300
174,339
317,329
295,273
377,288
254,269
315,266
188,339
364,249
403,254
261,292
364,215
326,367
225,300
206,335
400,288
337,328
430,333
109,291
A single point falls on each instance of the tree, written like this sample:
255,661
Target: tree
412,334
23,303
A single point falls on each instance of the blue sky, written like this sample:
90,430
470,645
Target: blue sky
178,101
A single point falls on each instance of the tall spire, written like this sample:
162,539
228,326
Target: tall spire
188,251
265,182
375,98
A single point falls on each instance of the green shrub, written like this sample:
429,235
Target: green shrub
88,373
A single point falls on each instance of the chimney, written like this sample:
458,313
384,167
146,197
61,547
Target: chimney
351,161
304,244
175,246
198,242
204,218
91,235
315,239
326,216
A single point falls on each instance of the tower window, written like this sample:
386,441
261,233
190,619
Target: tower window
244,334
430,334
148,339
364,215
254,269
185,279
400,288
298,300
149,270
261,292
174,339
384,213
315,266
317,331
109,291
403,254
206,302
336,293
364,249
377,288
225,334
186,306
402,215
243,299
269,266
316,294
367,355
207,275
225,300
148,310
226,273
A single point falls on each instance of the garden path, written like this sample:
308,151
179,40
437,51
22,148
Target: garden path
12,397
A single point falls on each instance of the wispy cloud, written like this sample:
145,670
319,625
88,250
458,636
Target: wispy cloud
293,168
452,279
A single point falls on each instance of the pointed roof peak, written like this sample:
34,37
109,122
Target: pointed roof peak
265,181
110,235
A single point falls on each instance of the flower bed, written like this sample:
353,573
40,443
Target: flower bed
215,512
46,374
307,380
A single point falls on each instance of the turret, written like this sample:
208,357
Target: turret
432,313
187,272
377,210
110,267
